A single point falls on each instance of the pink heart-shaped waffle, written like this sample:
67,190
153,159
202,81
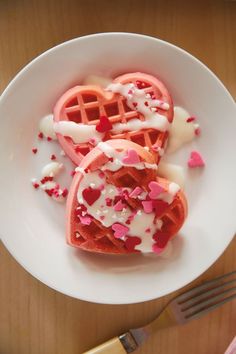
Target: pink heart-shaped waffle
93,106
116,220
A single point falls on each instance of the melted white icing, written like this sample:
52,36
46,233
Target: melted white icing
78,132
46,127
138,225
51,169
117,162
174,173
133,96
97,80
181,131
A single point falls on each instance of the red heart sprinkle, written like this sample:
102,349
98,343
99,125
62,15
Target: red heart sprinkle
34,151
40,135
90,195
161,239
160,207
131,242
104,125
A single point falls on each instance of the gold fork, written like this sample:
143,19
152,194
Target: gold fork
183,308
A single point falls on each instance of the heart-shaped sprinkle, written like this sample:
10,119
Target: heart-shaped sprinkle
104,125
147,206
161,239
131,158
90,195
135,192
118,206
108,201
195,160
155,189
119,230
160,207
131,242
85,220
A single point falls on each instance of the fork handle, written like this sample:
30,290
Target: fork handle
119,345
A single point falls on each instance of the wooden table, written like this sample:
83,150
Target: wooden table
35,319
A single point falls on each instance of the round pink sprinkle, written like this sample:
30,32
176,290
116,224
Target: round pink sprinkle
197,131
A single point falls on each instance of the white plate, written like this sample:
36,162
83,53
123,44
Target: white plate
32,225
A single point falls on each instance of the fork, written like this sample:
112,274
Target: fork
185,307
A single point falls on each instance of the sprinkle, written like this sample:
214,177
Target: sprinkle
62,153
146,148
147,206
53,157
92,185
195,160
77,235
85,220
131,242
155,189
103,192
64,192
35,185
104,125
108,201
72,173
101,187
34,150
131,158
101,174
139,213
40,135
148,230
98,212
111,191
135,104
197,131
190,119
146,103
135,192
49,139
105,211
102,217
118,206
119,230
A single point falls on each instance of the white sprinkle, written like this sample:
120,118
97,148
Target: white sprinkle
77,235
92,185
105,211
146,148
103,192
84,213
81,200
80,169
33,180
111,190
62,153
139,213
78,208
98,212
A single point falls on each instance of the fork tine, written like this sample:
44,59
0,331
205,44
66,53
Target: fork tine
203,310
209,294
201,288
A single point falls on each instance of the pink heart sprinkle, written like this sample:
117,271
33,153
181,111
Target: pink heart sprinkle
118,206
195,160
85,220
120,230
155,189
135,192
147,206
131,157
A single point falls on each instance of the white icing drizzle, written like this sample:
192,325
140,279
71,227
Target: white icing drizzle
51,169
138,97
181,131
46,127
117,162
174,173
78,132
138,225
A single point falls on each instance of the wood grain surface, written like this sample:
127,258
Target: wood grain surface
37,320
